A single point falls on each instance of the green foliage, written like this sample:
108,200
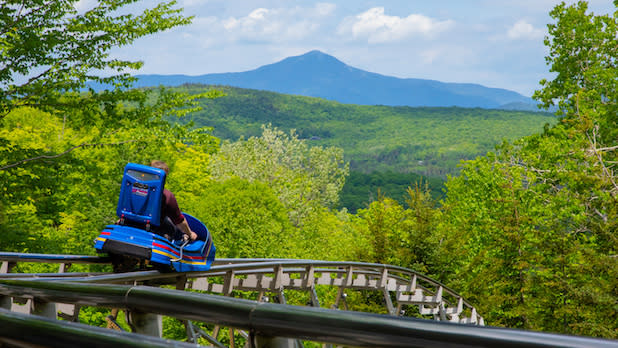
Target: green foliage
583,54
529,232
60,158
60,180
303,177
486,226
328,235
524,236
93,316
360,189
397,235
173,329
427,140
246,219
48,49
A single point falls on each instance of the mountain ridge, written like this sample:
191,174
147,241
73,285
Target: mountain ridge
317,74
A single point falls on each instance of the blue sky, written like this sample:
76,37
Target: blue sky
495,43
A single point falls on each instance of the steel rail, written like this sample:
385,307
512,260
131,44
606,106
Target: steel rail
276,320
274,275
59,258
16,330
220,265
51,258
50,275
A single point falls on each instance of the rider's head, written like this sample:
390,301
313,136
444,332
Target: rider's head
160,165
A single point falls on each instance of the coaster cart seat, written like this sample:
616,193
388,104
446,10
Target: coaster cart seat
135,234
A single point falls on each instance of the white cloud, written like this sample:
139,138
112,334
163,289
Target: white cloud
523,30
429,56
84,5
325,9
278,24
487,43
190,3
375,26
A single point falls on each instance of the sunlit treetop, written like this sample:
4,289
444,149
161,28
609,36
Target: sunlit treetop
48,48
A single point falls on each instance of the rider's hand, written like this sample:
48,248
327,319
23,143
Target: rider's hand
193,236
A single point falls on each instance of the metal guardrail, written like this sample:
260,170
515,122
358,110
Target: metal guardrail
277,320
275,275
409,290
16,330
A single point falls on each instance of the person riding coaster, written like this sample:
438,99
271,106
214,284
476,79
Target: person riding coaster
145,230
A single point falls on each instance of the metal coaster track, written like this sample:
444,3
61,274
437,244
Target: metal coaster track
261,322
405,286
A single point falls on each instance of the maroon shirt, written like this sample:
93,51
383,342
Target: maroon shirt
170,207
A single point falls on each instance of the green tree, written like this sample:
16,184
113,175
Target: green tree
522,240
62,148
487,238
303,177
330,235
49,54
246,219
423,216
529,232
49,49
397,235
584,56
52,204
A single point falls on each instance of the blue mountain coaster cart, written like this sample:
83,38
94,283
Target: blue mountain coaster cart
134,235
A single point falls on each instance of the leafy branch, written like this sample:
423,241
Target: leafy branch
83,145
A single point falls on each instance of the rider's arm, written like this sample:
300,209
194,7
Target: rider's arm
184,227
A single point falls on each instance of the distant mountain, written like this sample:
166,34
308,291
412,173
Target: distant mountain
316,74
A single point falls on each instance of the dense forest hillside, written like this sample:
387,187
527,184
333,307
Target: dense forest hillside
361,189
426,140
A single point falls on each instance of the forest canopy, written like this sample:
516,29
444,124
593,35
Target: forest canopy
428,141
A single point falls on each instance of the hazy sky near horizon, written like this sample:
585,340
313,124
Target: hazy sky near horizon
495,43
